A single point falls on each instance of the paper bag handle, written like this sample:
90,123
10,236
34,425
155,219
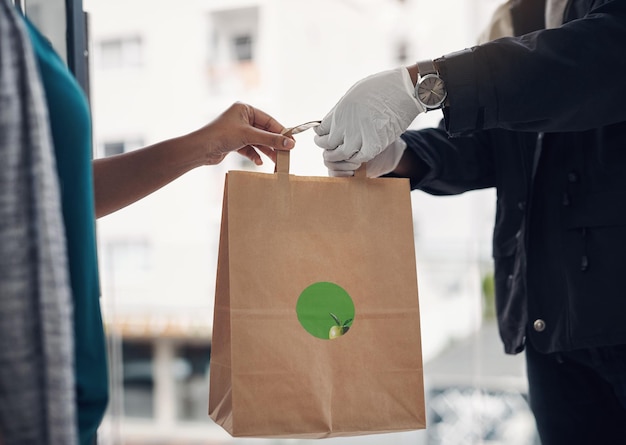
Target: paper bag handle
282,165
361,172
282,162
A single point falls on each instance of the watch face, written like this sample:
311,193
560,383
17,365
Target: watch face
431,90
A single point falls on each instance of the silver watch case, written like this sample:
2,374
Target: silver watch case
430,90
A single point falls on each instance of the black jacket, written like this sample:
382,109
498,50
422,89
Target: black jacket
542,118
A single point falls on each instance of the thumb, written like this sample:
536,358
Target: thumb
274,140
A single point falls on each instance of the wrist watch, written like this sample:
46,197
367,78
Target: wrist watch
430,89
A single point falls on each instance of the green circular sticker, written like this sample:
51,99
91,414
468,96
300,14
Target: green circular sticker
325,310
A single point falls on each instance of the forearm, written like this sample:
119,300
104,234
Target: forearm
441,165
537,82
413,72
126,178
123,179
411,166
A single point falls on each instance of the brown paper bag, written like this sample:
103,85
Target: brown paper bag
317,329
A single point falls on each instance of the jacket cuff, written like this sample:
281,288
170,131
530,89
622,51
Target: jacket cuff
463,74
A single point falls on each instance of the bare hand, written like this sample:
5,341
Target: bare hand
244,129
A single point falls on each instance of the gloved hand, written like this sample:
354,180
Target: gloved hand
368,118
386,161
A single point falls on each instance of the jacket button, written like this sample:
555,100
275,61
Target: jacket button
572,177
584,263
521,205
565,201
539,325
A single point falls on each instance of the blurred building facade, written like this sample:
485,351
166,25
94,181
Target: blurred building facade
161,68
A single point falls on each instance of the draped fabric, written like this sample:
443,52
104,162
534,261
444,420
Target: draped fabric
500,24
36,345
555,10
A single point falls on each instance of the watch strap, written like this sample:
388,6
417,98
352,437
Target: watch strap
425,67
428,68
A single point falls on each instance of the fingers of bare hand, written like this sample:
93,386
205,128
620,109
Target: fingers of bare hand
249,152
260,137
264,121
267,151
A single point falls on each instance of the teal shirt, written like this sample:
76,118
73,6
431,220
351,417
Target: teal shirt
70,124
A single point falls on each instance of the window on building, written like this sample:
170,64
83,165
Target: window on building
138,378
127,261
116,147
244,163
402,52
113,148
191,368
243,47
232,36
123,52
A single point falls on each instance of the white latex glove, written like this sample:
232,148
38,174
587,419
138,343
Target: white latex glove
369,117
386,161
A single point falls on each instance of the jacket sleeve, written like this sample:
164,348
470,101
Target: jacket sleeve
455,165
569,78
